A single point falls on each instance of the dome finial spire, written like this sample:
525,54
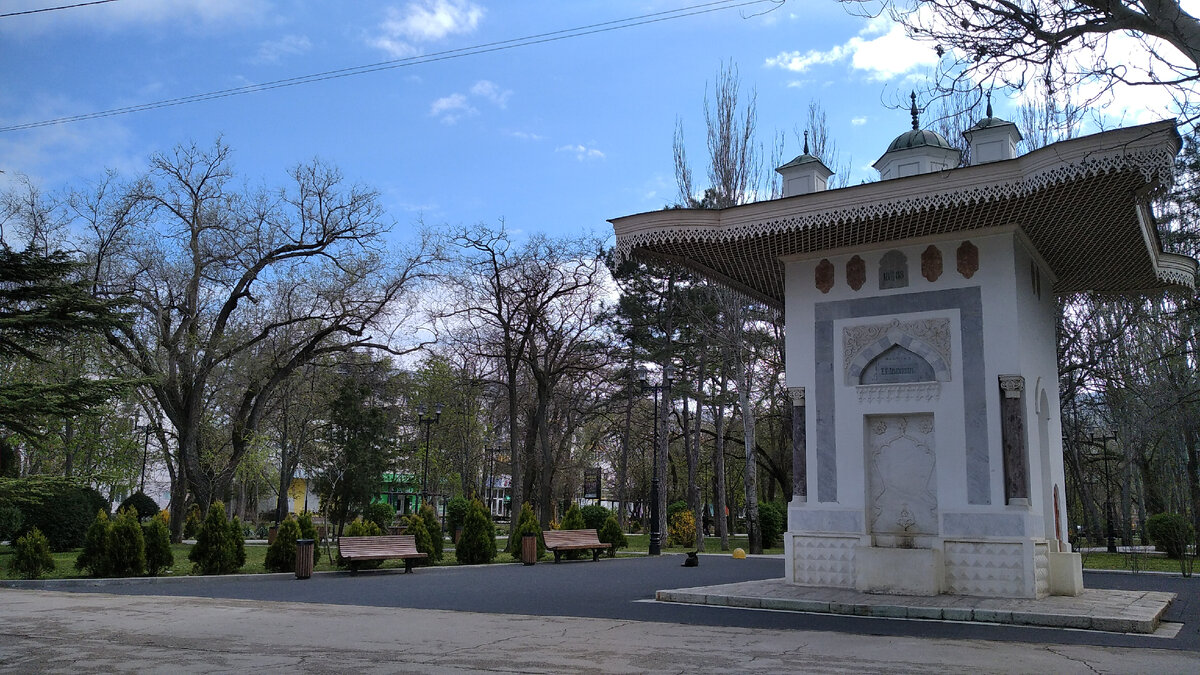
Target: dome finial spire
806,141
989,105
914,111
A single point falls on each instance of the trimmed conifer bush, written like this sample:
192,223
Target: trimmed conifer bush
307,529
594,516
434,528
415,526
142,503
159,556
477,545
281,555
94,557
527,523
193,522
216,549
573,519
456,513
126,546
1170,532
237,532
31,555
610,532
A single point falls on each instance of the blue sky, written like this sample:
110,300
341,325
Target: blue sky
553,137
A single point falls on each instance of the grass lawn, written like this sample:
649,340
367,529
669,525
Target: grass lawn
1140,562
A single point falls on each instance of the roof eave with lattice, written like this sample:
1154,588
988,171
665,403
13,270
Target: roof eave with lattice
1083,203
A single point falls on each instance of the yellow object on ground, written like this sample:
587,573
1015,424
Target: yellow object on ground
739,554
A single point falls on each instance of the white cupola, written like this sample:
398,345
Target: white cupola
992,139
804,174
917,151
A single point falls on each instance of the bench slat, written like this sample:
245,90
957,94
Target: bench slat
573,540
384,547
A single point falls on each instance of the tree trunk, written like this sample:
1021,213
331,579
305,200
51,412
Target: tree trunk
693,458
751,474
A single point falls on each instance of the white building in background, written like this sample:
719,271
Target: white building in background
921,350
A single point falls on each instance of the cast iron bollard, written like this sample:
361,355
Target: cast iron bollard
529,549
304,558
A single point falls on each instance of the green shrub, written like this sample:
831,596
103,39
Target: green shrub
415,525
610,532
94,557
361,528
527,523
126,546
456,513
675,507
281,555
573,519
31,555
239,542
57,507
681,530
193,523
159,556
772,522
434,529
594,516
216,549
307,529
477,545
1170,532
140,502
635,526
380,513
10,522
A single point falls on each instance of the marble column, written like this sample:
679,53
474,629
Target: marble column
799,445
1013,437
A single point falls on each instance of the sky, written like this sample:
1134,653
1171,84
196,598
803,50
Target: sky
548,135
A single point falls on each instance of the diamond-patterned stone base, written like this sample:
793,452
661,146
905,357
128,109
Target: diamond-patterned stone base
989,569
824,561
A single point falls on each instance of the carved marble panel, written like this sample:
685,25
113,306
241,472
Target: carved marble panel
856,272
824,275
901,479
928,338
931,263
968,259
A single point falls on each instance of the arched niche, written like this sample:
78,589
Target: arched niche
898,358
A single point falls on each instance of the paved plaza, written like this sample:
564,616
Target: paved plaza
573,617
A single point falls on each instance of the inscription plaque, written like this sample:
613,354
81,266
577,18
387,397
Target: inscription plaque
897,365
893,270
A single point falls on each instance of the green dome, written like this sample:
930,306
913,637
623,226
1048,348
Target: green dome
919,138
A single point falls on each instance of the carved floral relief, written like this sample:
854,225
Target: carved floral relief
931,263
968,259
824,275
856,273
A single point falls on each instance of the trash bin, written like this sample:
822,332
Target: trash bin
529,549
305,551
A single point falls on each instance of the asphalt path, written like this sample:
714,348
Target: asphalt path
623,588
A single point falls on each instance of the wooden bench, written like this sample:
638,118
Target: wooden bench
573,540
386,547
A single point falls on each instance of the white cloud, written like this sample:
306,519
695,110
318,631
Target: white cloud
403,31
450,109
272,51
491,92
858,121
881,48
526,136
581,152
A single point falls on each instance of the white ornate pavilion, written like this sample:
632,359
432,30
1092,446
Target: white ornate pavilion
920,344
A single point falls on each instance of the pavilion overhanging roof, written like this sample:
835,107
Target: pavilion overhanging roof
1084,203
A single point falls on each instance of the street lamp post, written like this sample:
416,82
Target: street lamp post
1108,505
145,453
427,420
655,482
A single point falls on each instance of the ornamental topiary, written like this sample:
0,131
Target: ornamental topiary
477,545
281,555
159,556
59,508
1170,532
142,503
126,546
31,555
681,530
94,559
216,549
237,534
772,521
610,532
573,519
594,516
527,523
434,529
380,513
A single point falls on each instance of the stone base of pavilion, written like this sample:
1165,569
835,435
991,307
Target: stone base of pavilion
1094,609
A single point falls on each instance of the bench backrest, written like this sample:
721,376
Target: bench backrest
556,538
399,544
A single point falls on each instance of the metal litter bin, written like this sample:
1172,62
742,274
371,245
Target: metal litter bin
529,549
305,550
